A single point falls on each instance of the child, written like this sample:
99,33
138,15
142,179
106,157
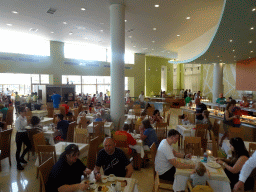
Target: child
185,120
236,121
206,119
98,119
198,176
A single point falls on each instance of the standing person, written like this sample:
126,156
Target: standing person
200,107
221,99
141,99
21,137
127,96
188,99
56,100
228,119
189,93
4,109
17,102
100,98
206,119
185,94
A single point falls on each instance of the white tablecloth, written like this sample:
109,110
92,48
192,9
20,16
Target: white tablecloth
131,111
46,121
50,136
88,117
186,131
226,147
40,113
138,147
108,127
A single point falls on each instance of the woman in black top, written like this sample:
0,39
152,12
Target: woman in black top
228,119
234,165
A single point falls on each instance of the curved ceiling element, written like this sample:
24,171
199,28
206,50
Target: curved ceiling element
199,46
235,39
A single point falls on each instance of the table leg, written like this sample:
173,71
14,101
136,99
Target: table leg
137,160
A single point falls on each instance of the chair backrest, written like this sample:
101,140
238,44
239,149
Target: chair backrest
107,105
201,130
156,183
161,131
98,131
44,171
136,106
50,111
38,139
81,135
76,113
137,128
193,145
126,151
150,111
191,117
83,122
216,128
179,119
5,143
252,148
120,140
93,148
153,151
45,152
70,134
9,117
236,132
214,145
168,119
80,108
137,112
63,111
31,133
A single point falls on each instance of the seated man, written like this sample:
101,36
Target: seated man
62,126
4,109
141,118
165,162
66,173
130,139
113,161
68,113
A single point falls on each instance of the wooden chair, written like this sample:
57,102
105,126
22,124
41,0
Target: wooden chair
252,148
45,152
31,133
80,108
137,113
5,145
156,183
201,131
107,105
214,144
236,132
29,113
50,111
121,141
216,129
136,106
150,111
198,188
9,117
83,123
153,151
168,119
70,133
179,119
98,130
75,114
193,145
44,171
81,135
161,131
92,152
63,111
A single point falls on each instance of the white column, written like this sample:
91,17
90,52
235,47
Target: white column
217,81
117,33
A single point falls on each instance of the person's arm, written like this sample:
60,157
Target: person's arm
247,168
131,140
142,136
181,165
129,170
97,172
227,116
177,154
72,188
238,165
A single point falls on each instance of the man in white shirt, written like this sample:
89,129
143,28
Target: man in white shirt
245,173
21,137
165,162
141,97
100,98
127,95
181,93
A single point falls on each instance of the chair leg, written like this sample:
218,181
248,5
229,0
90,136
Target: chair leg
0,166
37,172
10,163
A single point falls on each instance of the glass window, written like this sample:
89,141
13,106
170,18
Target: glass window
44,79
78,89
90,89
72,79
89,79
100,80
35,78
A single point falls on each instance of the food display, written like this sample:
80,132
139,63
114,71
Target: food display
102,188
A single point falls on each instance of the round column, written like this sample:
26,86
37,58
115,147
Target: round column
217,81
117,33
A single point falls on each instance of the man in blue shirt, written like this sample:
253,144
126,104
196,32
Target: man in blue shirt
56,100
62,126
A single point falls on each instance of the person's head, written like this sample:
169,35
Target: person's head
244,98
142,92
126,127
229,99
60,117
200,169
66,102
146,124
189,90
35,120
1,106
197,101
109,145
156,112
128,91
148,105
173,136
100,93
16,93
98,115
143,115
54,92
237,147
94,95
221,95
206,113
231,105
71,153
23,111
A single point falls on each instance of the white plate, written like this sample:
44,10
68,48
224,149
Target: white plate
109,189
214,165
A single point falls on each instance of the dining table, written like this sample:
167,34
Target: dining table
185,131
108,127
39,113
131,111
227,149
139,145
218,180
46,121
50,134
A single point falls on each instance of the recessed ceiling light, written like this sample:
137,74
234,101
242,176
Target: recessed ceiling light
234,56
65,23
8,24
134,46
15,12
33,30
230,40
86,38
251,51
249,57
125,20
102,23
156,5
101,31
218,56
178,35
83,9
205,59
187,17
153,49
220,60
130,37
168,52
154,29
52,32
70,33
252,28
233,50
153,41
100,41
250,41
253,9
234,60
145,48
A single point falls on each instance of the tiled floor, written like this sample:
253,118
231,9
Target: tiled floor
19,181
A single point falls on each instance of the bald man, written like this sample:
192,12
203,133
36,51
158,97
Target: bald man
221,99
200,107
113,161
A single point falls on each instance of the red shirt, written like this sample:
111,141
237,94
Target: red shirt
66,108
130,139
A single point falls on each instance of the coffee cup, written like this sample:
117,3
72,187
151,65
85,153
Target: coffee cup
111,177
104,179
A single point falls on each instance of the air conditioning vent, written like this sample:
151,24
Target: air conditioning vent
51,11
33,30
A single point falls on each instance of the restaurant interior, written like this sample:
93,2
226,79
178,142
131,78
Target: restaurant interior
149,55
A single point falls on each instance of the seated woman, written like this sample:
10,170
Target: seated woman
234,165
156,117
76,104
141,118
35,122
66,173
147,134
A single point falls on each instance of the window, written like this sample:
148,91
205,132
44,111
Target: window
128,57
44,79
18,42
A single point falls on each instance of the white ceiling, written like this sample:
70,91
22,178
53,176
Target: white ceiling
169,19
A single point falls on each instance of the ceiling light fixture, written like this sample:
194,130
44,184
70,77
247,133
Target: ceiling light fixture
134,46
102,23
230,40
250,41
251,51
15,12
101,31
83,9
86,38
156,5
153,41
178,35
125,20
70,33
154,29
52,32
253,9
130,37
187,17
233,50
8,24
153,49
65,23
252,28
218,56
